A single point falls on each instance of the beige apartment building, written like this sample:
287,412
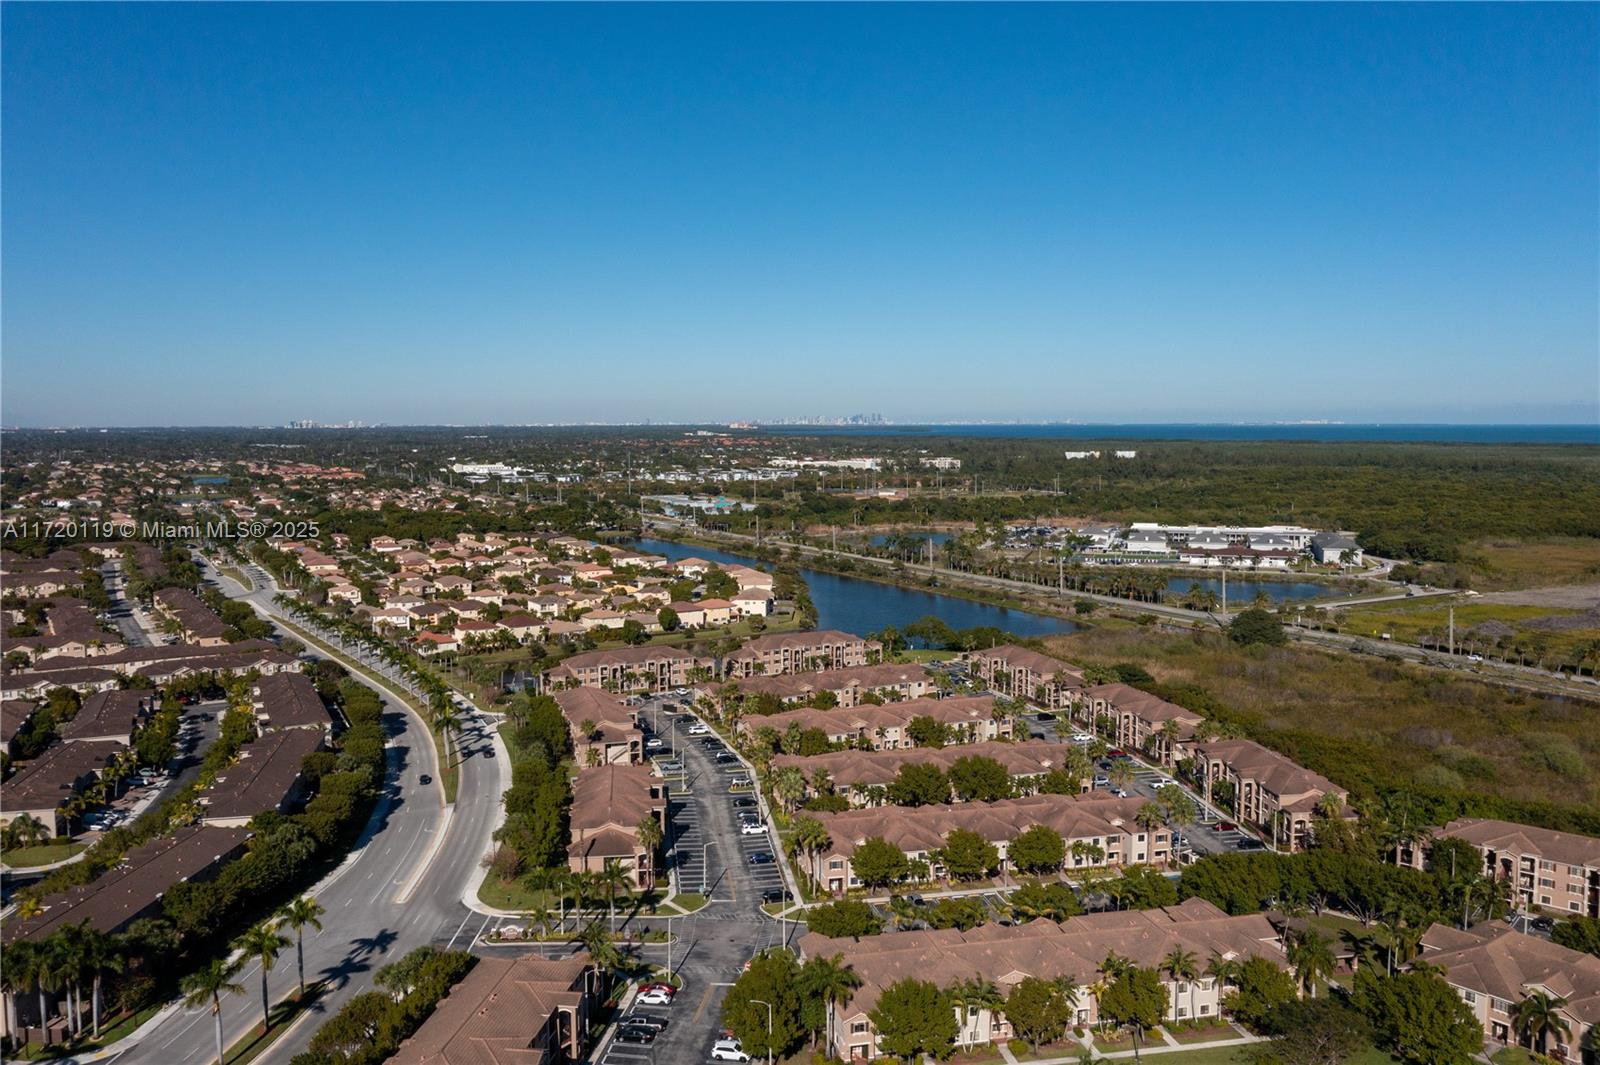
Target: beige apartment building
628,669
1142,722
1554,871
1020,673
608,805
1271,793
800,652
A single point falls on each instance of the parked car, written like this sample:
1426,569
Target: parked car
698,729
752,828
761,858
728,1050
1102,781
1082,737
654,997
744,802
654,743
775,894
670,768
1227,826
739,784
638,1034
645,1020
1249,843
727,758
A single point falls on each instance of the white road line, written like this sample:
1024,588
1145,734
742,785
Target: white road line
450,945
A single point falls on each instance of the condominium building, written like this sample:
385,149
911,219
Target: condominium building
1263,788
800,652
1021,673
967,719
1554,871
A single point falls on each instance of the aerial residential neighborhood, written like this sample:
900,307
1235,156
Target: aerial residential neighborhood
804,534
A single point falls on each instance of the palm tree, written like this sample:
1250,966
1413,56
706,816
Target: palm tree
1538,1016
789,787
297,914
602,950
833,981
1183,966
1149,817
447,721
650,835
1312,959
16,976
611,877
102,954
263,942
208,985
1070,993
67,949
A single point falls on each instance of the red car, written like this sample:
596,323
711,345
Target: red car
1227,826
668,988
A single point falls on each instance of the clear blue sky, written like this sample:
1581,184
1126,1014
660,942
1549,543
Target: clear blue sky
247,214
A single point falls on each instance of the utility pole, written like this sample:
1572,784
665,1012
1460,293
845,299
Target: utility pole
1224,593
1452,631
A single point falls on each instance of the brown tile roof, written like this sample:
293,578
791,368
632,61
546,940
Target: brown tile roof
779,640
959,710
1275,772
1016,657
493,1015
197,619
264,776
801,685
924,828
1493,959
124,893
49,779
1044,948
591,704
111,713
290,700
864,768
1568,848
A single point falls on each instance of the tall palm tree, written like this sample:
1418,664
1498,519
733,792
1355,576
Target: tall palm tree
1312,959
103,953
68,951
1538,1017
208,985
16,977
297,914
1183,966
611,877
264,943
833,981
602,950
650,835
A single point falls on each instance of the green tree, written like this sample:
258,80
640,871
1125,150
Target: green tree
299,913
914,1017
919,784
668,619
926,731
967,855
976,778
1256,626
1259,988
1538,1017
264,943
767,992
206,986
1038,1011
1419,1017
1039,849
1322,1031
825,982
1312,957
845,918
1578,933
877,863
1136,999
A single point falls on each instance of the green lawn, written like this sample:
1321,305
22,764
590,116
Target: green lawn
1513,1056
44,854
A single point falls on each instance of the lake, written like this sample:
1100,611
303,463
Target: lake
859,606
1240,593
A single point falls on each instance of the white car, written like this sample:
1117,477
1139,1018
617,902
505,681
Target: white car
654,997
698,729
728,1050
752,828
1082,737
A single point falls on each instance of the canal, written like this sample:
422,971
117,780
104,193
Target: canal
859,606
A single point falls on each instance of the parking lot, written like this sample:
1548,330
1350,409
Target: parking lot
707,854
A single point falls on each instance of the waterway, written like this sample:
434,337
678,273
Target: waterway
1241,592
860,606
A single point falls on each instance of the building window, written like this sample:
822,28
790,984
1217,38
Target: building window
1205,1009
1469,997
858,1027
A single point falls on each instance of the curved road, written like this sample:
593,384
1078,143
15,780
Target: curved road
401,888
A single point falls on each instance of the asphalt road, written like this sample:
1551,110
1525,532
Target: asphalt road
378,906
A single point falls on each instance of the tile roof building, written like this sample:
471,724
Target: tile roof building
800,652
267,776
860,776
1557,871
511,1011
608,805
110,715
848,685
1493,967
614,735
1044,949
628,669
289,700
1021,673
1269,791
1141,721
50,780
969,719
1103,823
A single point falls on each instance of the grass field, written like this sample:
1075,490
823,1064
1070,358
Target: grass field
1504,564
1408,622
1364,720
44,854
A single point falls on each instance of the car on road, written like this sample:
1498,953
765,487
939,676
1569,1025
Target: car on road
752,828
728,1050
426,779
761,858
637,1034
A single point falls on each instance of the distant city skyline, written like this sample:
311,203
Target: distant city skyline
505,214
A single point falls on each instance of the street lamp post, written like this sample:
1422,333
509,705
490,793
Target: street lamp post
760,1002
